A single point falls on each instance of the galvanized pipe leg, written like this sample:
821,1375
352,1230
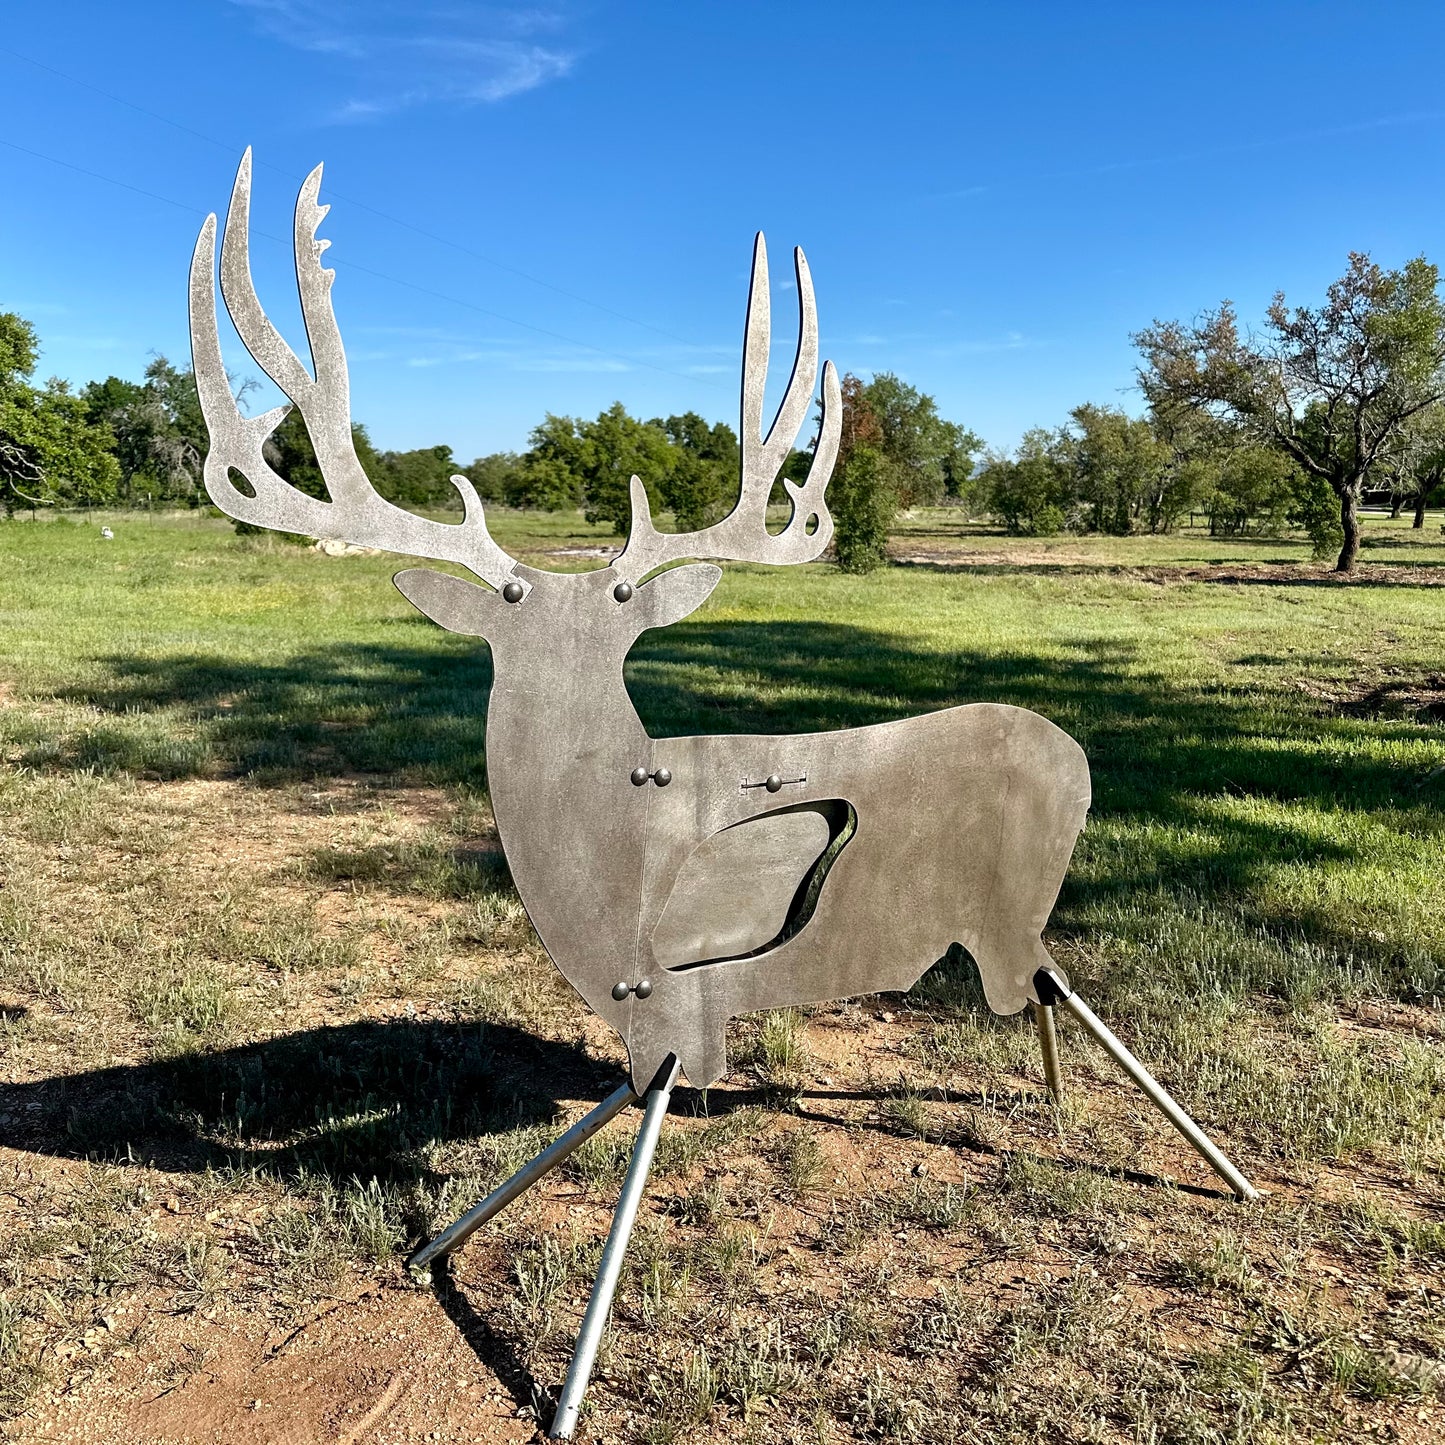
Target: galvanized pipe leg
1049,1047
1050,985
589,1337
457,1234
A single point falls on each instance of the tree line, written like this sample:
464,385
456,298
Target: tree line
137,444
1289,425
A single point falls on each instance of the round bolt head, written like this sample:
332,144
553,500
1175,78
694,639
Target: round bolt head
773,783
620,991
639,777
512,592
644,988
662,777
623,591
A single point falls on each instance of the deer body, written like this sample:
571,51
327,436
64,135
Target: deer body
678,882
975,809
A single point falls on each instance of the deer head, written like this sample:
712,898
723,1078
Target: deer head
517,602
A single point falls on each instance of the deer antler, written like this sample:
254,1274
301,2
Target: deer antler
743,536
355,512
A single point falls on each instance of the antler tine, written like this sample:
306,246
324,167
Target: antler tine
763,457
355,511
743,535
757,352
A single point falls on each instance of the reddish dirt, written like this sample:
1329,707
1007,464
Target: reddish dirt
385,1364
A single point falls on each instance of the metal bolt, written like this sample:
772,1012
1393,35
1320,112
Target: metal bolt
639,776
642,989
623,591
773,783
512,592
662,777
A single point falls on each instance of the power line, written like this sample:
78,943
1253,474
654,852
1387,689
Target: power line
360,205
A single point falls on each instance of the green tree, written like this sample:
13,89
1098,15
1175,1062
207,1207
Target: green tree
863,506
183,438
126,408
860,495
959,465
494,476
419,478
1330,386
50,450
895,451
919,450
19,350
550,475
1032,492
160,434
701,481
1122,471
1415,467
1254,484
615,448
1314,509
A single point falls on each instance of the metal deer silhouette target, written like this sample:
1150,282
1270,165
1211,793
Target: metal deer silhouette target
680,882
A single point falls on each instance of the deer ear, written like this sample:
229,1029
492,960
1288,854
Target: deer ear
454,603
674,594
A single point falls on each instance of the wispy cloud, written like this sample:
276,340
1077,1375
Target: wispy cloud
398,56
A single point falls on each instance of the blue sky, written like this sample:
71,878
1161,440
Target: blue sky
551,208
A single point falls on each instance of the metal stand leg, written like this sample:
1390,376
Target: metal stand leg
1052,990
1049,1047
455,1236
589,1337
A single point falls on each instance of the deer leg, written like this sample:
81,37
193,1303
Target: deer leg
545,1162
589,1337
1049,1047
1053,990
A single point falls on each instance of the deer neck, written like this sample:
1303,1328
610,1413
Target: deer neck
557,727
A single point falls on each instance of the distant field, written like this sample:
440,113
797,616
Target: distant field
270,1011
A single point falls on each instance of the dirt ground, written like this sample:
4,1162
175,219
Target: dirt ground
854,1176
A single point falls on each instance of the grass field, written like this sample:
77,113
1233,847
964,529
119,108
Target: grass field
271,1011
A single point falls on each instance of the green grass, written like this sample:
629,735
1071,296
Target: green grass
251,899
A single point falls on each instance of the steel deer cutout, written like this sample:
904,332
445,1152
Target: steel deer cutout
680,882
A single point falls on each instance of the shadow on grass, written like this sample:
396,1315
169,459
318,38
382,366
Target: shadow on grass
347,1102
419,709
1181,759
718,1102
